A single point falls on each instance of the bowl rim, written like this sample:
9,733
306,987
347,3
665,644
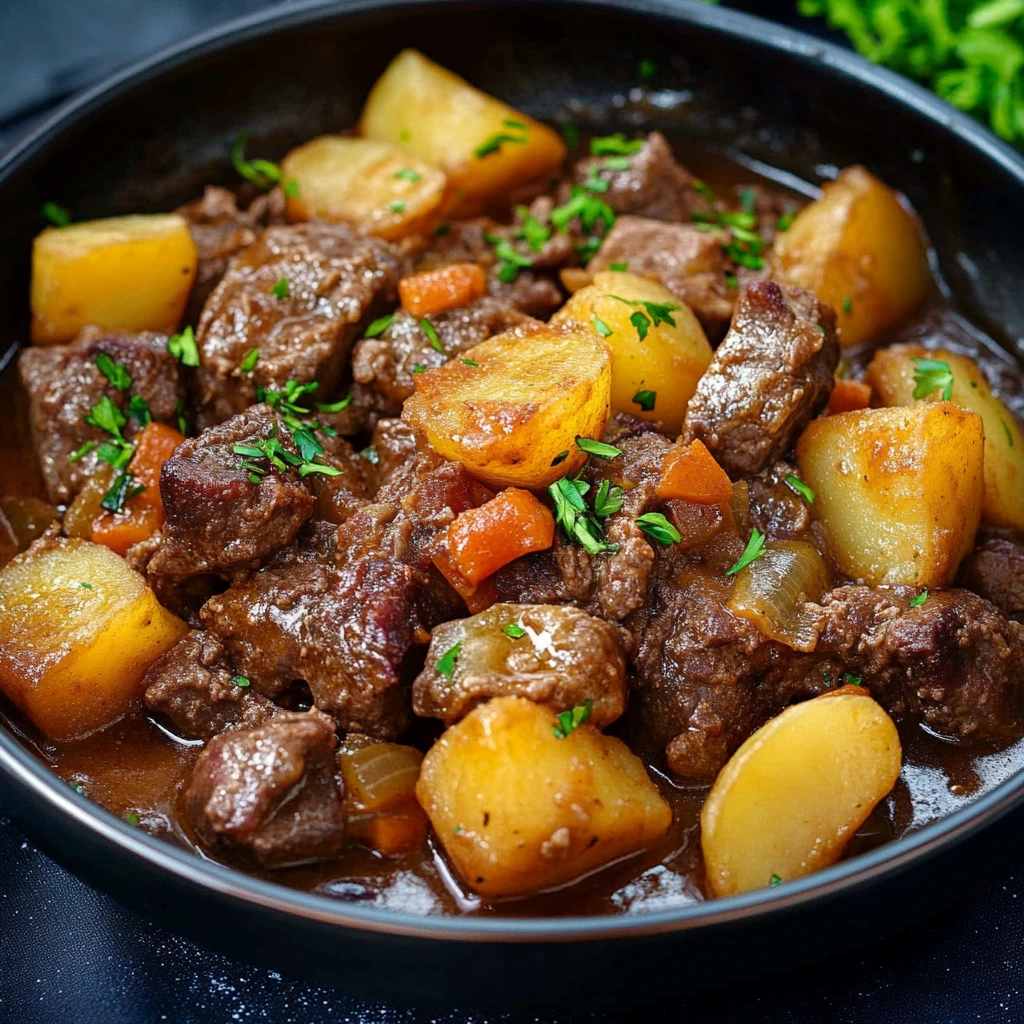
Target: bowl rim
21,768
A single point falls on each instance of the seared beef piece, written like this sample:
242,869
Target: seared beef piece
690,263
387,363
775,508
217,519
394,443
220,229
996,571
337,280
954,663
337,497
268,797
770,375
183,595
653,185
465,242
565,658
64,383
344,632
192,687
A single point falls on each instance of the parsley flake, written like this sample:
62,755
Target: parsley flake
446,663
183,347
601,327
82,583
851,680
397,205
621,267
138,409
655,525
598,448
470,362
578,522
616,145
608,499
916,602
930,375
560,457
586,207
431,332
240,681
494,143
408,174
1007,431
509,259
132,818
785,220
754,550
379,326
116,373
418,368
80,453
281,288
646,69
248,364
775,880
513,630
797,486
291,189
57,215
531,230
571,134
262,173
645,399
105,415
567,721
847,305
121,491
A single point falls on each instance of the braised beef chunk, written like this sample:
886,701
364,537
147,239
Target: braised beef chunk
220,230
345,632
388,363
776,509
770,375
954,662
267,796
335,498
392,445
996,571
689,262
64,382
192,686
299,296
219,515
653,185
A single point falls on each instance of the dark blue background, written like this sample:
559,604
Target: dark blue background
69,954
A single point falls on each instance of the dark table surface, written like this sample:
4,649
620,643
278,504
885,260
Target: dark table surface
70,954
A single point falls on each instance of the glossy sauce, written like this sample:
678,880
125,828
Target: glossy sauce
138,770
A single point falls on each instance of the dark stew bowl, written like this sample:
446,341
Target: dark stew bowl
150,137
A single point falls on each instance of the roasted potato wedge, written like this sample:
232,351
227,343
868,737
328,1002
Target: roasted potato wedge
78,630
379,188
659,349
130,272
791,797
484,146
519,809
892,375
860,249
517,405
898,491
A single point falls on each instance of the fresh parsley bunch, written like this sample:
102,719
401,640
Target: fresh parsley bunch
971,53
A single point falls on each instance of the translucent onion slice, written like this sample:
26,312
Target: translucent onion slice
381,775
773,590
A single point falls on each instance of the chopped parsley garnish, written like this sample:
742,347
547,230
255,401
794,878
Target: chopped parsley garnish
588,208
784,221
240,681
608,499
122,490
847,304
916,602
567,721
655,525
649,314
598,448
179,412
571,134
513,630
291,189
183,347
616,163
105,415
616,145
578,522
622,267
57,215
379,326
248,364
458,830
531,230
431,332
132,818
80,453
116,453
748,200
600,326
509,259
318,467
446,663
138,409
116,373
408,174
646,69
495,142
851,680
418,368
1007,431
560,457
262,173
930,375
397,205
645,399
703,189
281,288
370,454
641,321
774,880
797,486
280,458
288,400
518,125
470,362
754,550
82,583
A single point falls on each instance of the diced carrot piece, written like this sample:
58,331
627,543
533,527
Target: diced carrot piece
434,291
692,474
392,832
142,515
849,396
482,540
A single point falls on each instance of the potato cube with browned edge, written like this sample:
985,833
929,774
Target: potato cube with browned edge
484,146
78,630
510,409
133,273
520,804
898,491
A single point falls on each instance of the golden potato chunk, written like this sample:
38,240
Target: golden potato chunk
519,809
78,630
484,146
511,407
129,272
898,491
859,249
895,373
377,187
792,796
659,349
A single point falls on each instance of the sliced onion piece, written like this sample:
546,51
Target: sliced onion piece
773,591
381,775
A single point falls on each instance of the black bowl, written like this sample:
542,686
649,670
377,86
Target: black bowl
149,137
